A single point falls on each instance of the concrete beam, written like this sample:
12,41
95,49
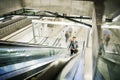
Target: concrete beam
61,16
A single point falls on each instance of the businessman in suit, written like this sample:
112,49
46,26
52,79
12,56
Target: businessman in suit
73,46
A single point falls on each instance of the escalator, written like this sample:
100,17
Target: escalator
108,67
18,58
21,61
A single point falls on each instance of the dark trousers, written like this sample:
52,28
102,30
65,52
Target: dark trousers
107,41
67,39
72,52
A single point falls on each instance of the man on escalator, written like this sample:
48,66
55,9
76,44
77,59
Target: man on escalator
73,46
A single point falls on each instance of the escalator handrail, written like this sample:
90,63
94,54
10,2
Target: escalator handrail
21,44
111,60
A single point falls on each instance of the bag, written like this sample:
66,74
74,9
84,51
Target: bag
76,50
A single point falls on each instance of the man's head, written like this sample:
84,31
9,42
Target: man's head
74,37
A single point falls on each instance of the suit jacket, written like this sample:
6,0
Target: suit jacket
73,45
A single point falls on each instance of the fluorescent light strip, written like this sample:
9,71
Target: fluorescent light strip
113,26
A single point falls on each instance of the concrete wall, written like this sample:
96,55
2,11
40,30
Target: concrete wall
6,30
7,6
61,6
95,44
112,8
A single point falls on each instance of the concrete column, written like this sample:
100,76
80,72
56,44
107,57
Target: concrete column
95,44
99,33
99,11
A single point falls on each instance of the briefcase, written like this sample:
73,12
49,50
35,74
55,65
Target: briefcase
76,50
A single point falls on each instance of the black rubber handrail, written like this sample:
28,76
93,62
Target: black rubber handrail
6,44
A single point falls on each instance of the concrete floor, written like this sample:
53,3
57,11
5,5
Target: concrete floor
26,35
